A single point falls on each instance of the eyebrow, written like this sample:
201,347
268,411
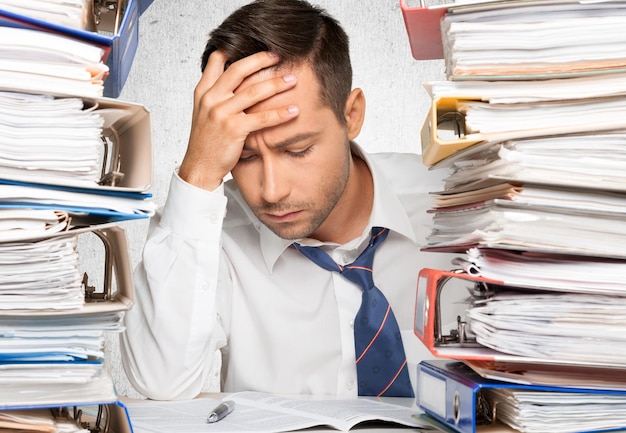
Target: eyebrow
289,141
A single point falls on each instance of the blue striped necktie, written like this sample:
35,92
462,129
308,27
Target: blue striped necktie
380,358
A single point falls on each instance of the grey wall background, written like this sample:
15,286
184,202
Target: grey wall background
172,35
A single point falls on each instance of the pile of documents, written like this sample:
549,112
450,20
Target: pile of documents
530,127
71,13
73,165
534,41
36,61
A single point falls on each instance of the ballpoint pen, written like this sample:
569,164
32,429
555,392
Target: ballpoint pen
220,411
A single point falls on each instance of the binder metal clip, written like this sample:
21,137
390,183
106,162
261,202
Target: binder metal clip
429,314
108,15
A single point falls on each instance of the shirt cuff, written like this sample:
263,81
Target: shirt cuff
193,212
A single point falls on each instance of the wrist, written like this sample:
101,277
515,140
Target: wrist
200,178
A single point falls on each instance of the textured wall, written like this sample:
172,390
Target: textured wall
166,69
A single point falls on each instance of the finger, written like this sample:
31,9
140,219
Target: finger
266,119
251,95
212,71
242,69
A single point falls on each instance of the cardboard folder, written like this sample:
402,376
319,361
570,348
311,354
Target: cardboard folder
445,132
126,172
38,371
126,163
115,291
441,301
444,116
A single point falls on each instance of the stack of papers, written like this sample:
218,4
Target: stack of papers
43,62
71,162
85,206
588,161
61,337
52,323
558,272
90,159
26,224
531,126
40,275
555,374
546,118
42,136
54,384
526,40
558,412
558,326
504,224
70,13
569,188
509,92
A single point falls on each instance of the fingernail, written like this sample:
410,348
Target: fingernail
289,78
272,54
292,109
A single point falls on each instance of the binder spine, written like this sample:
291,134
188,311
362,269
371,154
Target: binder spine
451,401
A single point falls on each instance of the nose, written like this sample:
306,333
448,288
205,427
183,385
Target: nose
274,181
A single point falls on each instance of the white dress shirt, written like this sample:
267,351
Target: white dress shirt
213,277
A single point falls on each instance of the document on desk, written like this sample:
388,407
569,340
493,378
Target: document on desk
268,413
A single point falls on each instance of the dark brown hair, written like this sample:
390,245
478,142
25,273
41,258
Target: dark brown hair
299,33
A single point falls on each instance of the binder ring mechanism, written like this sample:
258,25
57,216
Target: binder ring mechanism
111,174
117,278
108,15
429,314
452,122
100,424
91,293
485,412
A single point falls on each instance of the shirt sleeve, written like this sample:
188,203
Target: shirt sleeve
172,330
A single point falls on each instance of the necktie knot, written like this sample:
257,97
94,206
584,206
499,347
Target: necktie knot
360,271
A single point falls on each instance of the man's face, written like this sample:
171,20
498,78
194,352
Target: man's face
292,175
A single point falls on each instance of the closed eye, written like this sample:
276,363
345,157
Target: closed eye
249,158
299,154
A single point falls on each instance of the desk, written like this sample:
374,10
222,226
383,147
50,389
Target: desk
268,413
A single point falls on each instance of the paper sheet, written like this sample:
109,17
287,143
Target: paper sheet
259,412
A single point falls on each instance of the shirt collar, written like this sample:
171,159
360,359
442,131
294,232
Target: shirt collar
387,211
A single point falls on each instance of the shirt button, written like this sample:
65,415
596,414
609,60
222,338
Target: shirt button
346,258
213,218
350,384
205,286
351,324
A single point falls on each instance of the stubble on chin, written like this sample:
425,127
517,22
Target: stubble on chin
291,230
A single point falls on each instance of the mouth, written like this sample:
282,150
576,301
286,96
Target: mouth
283,217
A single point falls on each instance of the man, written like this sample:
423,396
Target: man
226,264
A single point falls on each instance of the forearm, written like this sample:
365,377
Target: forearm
171,331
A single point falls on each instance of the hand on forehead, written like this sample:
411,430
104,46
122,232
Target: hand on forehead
291,96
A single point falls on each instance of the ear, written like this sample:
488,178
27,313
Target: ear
355,113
